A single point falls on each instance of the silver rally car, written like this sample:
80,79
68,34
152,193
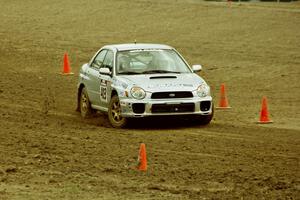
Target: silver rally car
140,80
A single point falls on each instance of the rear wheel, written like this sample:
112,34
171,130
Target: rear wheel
114,113
85,105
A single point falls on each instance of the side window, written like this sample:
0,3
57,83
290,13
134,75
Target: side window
109,60
98,61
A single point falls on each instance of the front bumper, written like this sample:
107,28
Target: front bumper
160,107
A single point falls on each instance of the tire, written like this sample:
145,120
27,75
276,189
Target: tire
205,119
85,105
114,113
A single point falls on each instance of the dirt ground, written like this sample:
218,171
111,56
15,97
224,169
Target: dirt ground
47,151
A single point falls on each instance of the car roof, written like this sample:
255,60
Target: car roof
135,46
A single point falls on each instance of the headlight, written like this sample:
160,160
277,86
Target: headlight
203,90
137,92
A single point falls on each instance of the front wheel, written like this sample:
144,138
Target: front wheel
114,113
205,119
85,105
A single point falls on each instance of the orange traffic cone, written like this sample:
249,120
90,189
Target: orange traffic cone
264,114
223,104
142,158
67,68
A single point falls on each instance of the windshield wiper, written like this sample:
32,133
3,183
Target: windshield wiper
158,72
129,73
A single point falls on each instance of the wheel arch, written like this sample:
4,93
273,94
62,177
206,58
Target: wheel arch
113,93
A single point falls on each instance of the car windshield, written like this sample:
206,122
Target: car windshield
150,62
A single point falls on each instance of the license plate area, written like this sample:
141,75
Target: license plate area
173,108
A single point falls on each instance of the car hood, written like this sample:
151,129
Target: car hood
164,82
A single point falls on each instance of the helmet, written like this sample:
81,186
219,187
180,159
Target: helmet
123,63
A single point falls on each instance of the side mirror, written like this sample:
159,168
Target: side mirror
197,68
105,71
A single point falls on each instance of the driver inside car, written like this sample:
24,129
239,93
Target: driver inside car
124,63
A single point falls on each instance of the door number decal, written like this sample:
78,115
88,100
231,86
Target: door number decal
103,90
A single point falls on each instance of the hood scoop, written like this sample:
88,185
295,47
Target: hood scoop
162,77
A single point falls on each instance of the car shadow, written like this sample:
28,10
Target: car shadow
149,123
163,122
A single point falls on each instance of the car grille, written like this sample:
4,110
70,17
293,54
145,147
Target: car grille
168,95
173,108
